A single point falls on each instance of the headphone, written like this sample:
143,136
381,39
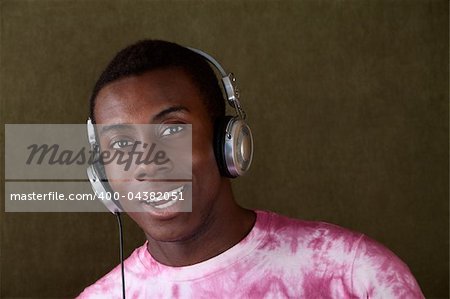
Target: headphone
233,140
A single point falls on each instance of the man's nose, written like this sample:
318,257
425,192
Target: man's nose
150,167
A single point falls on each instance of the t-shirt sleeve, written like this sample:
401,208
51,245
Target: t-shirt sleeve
379,273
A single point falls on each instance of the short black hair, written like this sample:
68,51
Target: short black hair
148,55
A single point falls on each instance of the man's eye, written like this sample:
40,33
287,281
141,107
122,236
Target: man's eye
120,144
172,130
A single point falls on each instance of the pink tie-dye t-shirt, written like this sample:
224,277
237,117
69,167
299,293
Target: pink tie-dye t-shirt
279,258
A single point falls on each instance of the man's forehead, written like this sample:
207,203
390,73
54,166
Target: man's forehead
151,91
170,81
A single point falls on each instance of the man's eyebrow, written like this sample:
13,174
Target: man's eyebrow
156,118
169,110
115,127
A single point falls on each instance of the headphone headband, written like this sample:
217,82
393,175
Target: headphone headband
228,82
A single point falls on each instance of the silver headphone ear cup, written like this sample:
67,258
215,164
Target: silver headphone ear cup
238,147
233,146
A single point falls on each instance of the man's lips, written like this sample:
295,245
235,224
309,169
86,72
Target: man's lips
164,199
150,181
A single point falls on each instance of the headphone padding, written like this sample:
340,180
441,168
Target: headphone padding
219,144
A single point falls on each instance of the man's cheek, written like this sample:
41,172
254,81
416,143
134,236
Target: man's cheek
118,178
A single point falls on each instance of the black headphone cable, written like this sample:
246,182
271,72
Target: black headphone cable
119,221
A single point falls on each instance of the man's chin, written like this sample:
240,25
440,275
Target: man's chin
166,226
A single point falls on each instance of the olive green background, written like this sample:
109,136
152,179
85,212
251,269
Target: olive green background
348,101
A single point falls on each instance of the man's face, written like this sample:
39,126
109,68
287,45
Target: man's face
166,96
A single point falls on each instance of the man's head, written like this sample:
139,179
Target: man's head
155,82
149,55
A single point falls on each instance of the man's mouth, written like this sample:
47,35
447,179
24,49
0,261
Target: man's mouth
163,200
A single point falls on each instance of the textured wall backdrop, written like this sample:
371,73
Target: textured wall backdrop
348,101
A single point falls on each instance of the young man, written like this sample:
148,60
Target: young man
221,250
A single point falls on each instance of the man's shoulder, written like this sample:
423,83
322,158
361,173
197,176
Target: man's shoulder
311,234
329,250
324,236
